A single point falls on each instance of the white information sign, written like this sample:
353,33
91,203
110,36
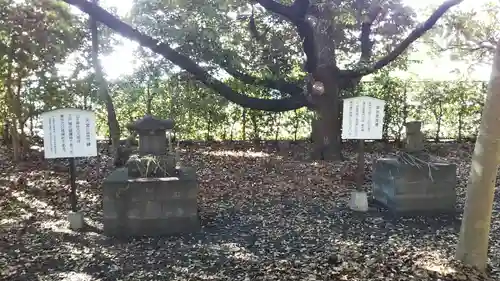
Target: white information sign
363,118
68,133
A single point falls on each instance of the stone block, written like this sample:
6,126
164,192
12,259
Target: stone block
406,188
149,206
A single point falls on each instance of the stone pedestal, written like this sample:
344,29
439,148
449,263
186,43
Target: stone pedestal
150,206
404,188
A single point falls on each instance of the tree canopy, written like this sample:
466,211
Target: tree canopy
295,15
248,54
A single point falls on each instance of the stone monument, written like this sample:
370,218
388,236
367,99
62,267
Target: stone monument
411,182
414,138
151,196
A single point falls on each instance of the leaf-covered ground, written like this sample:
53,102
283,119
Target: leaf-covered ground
266,216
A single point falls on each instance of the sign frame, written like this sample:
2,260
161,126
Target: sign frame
69,133
363,118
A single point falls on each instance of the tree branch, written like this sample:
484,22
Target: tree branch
278,8
470,47
366,30
296,14
230,67
280,85
414,35
184,62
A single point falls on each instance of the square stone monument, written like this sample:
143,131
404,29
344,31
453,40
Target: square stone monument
151,196
413,184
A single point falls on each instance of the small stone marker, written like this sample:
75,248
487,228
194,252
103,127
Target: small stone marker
414,137
414,142
76,220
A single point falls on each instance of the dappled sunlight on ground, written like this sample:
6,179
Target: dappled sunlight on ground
58,226
265,217
74,276
238,154
34,203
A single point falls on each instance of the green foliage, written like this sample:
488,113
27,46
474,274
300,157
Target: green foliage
395,92
468,34
44,35
448,109
216,34
202,115
35,38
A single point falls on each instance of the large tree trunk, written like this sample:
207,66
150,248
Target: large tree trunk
325,128
472,247
114,127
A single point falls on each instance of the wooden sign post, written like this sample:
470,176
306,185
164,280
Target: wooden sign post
362,120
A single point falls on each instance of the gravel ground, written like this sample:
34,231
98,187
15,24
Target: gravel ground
265,216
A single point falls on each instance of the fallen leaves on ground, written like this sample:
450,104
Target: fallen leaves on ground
266,215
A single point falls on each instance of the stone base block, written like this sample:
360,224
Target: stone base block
405,188
150,206
150,227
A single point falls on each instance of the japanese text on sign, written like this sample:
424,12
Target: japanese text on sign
78,134
63,129
362,118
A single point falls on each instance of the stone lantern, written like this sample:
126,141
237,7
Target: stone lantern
151,196
154,159
152,134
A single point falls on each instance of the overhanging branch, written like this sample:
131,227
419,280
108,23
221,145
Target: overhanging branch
230,67
398,50
366,30
279,84
296,14
469,47
184,62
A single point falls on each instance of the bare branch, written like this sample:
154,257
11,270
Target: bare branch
414,35
467,48
184,62
470,46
